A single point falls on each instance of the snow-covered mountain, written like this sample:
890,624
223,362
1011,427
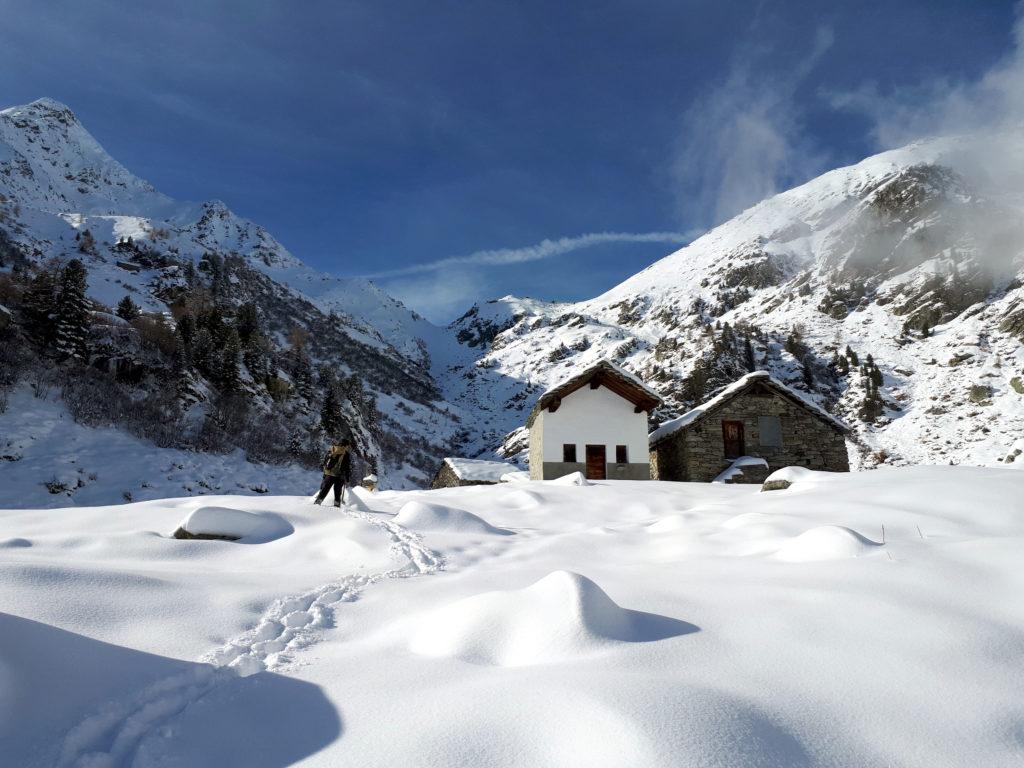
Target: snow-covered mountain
914,257
890,291
62,196
64,182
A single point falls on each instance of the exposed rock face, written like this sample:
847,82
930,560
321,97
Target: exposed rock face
697,453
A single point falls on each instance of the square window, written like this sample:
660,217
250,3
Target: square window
770,429
621,454
569,453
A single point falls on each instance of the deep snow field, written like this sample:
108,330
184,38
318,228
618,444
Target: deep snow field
525,624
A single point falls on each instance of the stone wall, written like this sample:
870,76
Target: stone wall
697,453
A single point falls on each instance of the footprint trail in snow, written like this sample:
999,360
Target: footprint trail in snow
110,738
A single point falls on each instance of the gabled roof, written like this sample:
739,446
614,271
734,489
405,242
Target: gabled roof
479,470
601,374
737,387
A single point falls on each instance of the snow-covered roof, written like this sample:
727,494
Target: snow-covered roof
479,470
694,415
619,380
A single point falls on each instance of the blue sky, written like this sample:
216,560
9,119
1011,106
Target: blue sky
376,138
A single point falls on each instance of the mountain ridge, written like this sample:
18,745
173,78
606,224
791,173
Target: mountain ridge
889,291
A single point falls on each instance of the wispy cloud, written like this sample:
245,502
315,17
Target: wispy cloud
944,106
545,249
743,140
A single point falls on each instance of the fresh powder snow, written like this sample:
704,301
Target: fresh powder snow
847,620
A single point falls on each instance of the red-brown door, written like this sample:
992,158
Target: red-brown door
732,437
597,463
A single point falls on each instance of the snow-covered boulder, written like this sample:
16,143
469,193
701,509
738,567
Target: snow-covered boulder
420,516
781,479
229,524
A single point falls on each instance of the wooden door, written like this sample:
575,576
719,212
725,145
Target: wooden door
597,463
732,437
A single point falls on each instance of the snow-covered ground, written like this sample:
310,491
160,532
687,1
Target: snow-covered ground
849,620
47,459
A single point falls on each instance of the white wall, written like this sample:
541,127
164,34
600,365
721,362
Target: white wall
595,417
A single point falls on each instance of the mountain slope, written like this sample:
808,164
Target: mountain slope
913,257
62,196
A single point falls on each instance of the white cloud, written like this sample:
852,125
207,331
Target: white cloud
743,140
545,249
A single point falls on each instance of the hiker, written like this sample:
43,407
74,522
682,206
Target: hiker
337,467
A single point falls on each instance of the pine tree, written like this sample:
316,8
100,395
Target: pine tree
852,356
247,323
72,314
925,330
330,415
748,355
40,306
808,372
127,309
228,376
876,375
186,328
203,350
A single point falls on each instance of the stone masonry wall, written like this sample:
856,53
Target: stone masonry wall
697,453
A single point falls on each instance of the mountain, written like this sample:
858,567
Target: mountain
912,260
889,291
62,197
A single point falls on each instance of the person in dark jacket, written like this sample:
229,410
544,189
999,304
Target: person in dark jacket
337,468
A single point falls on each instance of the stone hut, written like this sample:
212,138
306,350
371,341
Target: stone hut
752,428
455,472
594,422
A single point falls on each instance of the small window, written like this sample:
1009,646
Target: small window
770,428
569,453
621,455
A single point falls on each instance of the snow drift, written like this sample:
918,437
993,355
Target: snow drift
562,616
420,516
826,542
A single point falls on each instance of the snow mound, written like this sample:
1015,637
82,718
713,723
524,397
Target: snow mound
557,618
669,523
234,524
576,478
826,542
420,516
520,499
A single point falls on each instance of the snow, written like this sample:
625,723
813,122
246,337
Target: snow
625,623
674,425
517,476
479,470
421,516
616,369
736,468
40,444
561,617
826,542
247,527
